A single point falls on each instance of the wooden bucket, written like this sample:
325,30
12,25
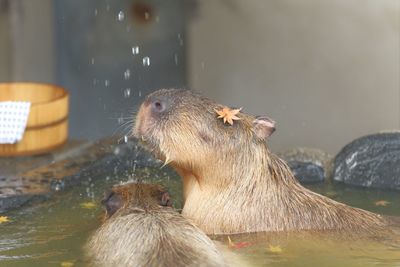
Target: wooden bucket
47,126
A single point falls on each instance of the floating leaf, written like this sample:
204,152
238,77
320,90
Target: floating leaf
228,115
66,264
275,249
4,219
88,205
238,245
382,203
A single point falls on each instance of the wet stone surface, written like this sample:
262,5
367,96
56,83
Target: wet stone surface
23,180
308,165
371,161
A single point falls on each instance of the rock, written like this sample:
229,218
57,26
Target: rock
308,165
370,161
39,178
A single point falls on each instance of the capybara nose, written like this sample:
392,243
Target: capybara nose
158,104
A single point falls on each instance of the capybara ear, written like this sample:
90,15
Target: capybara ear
112,202
263,126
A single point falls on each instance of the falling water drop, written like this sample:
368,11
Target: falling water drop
140,93
107,83
127,92
146,61
121,16
176,59
135,50
125,139
92,61
127,74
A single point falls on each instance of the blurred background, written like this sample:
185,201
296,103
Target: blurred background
326,71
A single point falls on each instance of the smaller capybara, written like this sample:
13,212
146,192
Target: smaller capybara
232,183
141,228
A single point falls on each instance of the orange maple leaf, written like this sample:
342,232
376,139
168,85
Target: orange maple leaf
228,114
238,245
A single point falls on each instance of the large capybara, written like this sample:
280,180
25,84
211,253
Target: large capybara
232,183
142,229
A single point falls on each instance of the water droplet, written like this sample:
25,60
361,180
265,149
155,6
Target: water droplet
127,74
96,12
108,7
140,93
127,92
157,19
107,83
180,39
94,81
135,50
146,61
117,150
120,120
146,15
125,139
121,16
176,59
92,61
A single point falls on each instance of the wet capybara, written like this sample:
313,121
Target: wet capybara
142,229
232,183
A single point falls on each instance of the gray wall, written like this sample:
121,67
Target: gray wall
327,71
4,41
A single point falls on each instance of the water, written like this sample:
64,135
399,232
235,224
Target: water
146,61
127,74
121,16
135,50
53,233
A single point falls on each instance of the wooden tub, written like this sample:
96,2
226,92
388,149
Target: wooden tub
47,126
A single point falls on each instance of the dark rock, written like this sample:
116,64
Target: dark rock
308,165
370,161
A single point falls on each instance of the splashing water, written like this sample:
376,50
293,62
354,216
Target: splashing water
127,74
121,16
146,61
135,50
127,92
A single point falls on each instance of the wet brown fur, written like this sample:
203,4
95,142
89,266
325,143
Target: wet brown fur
144,233
232,183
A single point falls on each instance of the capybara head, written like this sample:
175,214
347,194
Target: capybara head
135,195
184,127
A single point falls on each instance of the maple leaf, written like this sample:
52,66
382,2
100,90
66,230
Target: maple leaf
66,264
4,219
88,205
228,115
275,249
382,203
238,245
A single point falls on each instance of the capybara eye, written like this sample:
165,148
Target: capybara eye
158,106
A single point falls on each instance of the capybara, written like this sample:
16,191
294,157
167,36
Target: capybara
141,228
232,183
